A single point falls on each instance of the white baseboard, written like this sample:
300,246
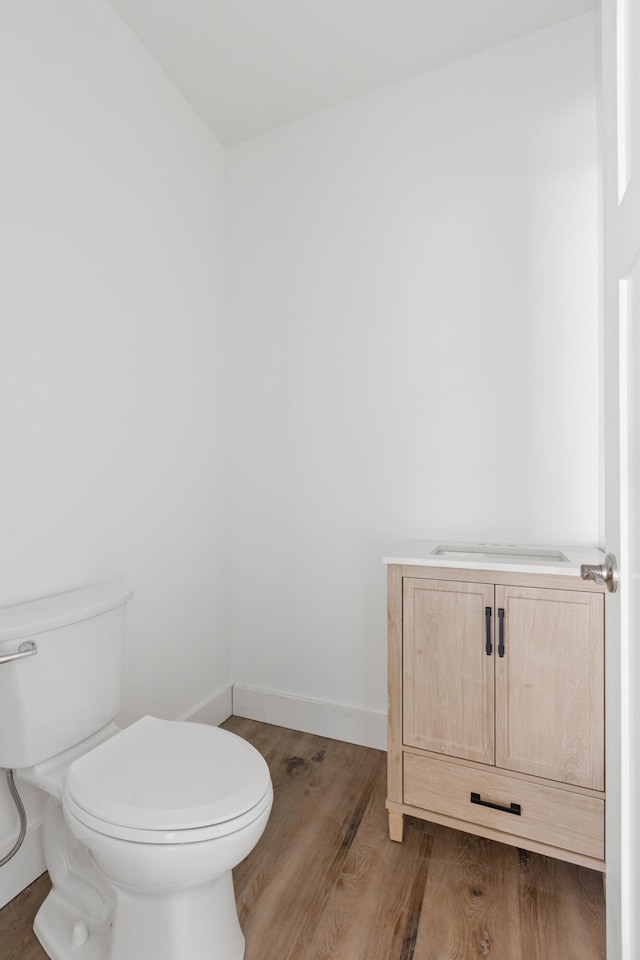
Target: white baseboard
27,865
213,710
365,727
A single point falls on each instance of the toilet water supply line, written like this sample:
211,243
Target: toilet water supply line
23,818
26,649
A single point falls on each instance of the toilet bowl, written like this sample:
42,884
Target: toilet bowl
166,810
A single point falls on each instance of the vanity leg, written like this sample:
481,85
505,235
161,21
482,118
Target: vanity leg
396,821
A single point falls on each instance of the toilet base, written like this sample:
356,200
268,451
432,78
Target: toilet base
60,930
200,923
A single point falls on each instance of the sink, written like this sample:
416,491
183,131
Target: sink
506,552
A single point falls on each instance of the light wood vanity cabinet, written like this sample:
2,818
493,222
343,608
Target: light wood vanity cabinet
496,707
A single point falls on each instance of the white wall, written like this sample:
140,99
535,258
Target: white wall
414,350
112,367
414,292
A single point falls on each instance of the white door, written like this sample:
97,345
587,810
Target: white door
621,201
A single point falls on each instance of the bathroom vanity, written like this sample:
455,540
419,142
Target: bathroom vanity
496,695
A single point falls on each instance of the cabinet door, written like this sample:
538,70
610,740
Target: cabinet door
549,685
448,680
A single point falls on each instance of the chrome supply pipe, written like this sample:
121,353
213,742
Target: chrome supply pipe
13,790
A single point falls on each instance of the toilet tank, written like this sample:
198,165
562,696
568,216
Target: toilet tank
70,687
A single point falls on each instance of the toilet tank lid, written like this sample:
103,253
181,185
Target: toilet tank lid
49,613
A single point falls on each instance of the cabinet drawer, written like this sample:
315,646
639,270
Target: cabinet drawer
562,819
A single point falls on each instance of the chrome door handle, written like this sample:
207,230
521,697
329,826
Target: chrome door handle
605,572
26,649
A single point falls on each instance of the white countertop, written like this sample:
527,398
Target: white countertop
508,557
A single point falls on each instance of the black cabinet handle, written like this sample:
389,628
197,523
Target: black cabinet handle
514,808
487,617
501,632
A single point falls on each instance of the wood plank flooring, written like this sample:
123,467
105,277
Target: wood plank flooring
326,883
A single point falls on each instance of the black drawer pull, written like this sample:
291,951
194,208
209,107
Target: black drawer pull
501,632
515,808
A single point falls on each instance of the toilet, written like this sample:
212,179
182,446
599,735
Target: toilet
144,824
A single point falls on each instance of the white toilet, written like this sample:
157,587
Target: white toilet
143,825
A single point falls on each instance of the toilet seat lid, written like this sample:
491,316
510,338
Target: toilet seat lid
169,775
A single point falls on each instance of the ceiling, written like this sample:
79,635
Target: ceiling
247,66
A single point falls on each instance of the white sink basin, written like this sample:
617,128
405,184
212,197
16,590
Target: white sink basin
509,553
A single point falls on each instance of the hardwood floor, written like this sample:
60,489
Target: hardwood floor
326,883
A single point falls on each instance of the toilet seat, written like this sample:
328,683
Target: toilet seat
163,781
189,835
